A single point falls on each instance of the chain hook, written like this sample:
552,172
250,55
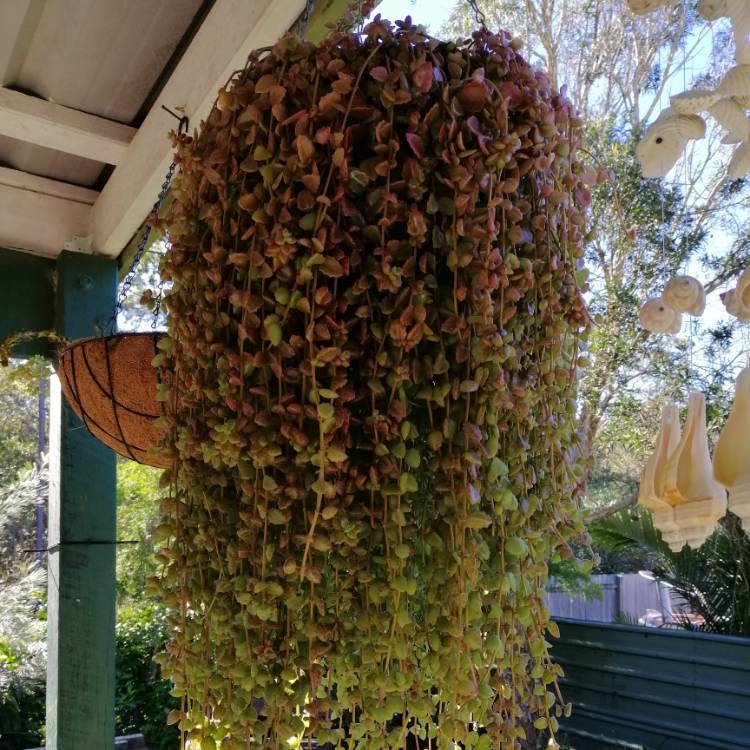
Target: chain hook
479,16
183,120
127,282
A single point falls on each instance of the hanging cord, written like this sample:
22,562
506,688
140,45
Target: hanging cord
479,16
127,282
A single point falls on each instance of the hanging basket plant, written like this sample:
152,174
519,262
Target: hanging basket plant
371,364
112,386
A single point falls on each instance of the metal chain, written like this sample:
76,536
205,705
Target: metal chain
127,282
479,16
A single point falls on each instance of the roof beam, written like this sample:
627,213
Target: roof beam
61,128
43,216
232,29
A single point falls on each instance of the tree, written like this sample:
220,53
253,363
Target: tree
618,69
18,427
138,512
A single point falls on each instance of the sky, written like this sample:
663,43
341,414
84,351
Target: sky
429,13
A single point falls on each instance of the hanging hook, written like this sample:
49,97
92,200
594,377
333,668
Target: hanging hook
479,16
183,120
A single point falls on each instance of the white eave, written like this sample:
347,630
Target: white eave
81,162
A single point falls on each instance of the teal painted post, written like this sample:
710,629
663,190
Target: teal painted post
28,298
82,513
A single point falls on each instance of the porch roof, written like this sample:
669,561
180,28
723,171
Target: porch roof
83,135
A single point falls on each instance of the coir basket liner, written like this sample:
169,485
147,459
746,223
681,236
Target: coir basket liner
111,385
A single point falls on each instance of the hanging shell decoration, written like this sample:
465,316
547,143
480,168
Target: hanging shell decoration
732,452
643,7
739,164
738,12
651,489
743,290
686,295
694,102
658,152
732,118
657,316
734,307
666,139
736,82
689,484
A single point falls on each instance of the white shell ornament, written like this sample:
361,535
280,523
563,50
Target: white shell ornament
712,10
651,487
738,12
732,304
739,164
732,451
736,82
642,7
665,140
742,291
657,316
686,295
731,116
689,481
693,102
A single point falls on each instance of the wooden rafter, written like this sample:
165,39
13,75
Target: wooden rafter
44,123
230,32
42,216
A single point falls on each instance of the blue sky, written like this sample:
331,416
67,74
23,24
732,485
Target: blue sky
429,13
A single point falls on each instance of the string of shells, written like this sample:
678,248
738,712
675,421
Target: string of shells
678,484
681,295
737,300
732,453
683,487
668,136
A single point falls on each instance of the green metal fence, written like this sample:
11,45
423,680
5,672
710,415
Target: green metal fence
649,689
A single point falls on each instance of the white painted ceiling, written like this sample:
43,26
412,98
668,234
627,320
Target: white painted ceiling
102,57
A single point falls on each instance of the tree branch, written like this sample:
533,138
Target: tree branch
608,510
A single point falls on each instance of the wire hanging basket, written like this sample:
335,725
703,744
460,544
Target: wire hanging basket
111,384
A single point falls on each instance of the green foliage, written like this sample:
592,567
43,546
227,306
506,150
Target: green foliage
374,331
18,427
715,579
142,696
22,713
138,513
22,582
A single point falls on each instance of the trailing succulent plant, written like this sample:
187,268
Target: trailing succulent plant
370,375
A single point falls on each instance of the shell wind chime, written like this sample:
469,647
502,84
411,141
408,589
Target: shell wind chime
679,477
666,140
686,295
732,453
681,294
737,301
738,13
643,7
669,134
651,491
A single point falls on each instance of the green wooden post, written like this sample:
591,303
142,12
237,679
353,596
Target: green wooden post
28,298
82,512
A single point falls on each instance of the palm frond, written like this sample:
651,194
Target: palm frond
714,580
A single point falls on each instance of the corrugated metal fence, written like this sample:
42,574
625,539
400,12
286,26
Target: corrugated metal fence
628,594
651,689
